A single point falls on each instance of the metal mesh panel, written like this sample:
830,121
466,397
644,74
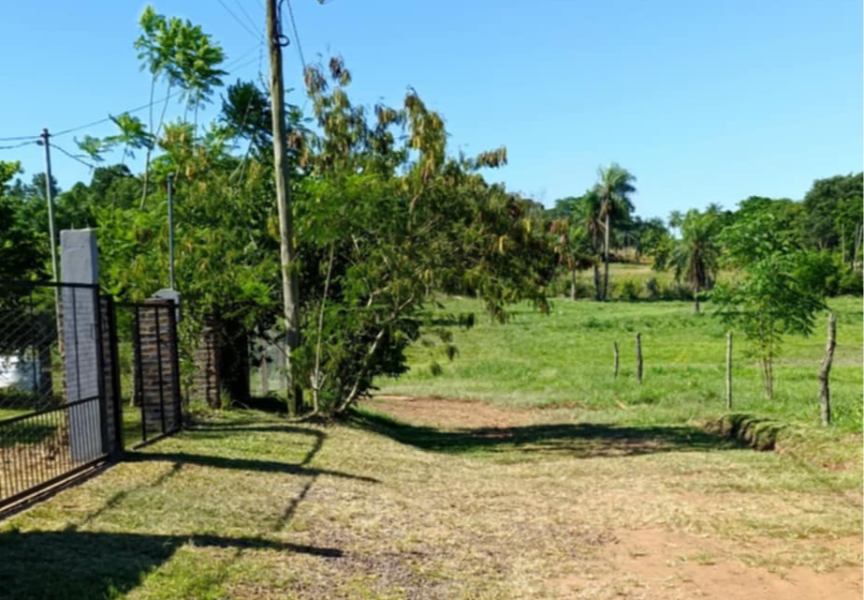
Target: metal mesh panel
52,408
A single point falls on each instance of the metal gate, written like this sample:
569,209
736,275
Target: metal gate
156,369
59,390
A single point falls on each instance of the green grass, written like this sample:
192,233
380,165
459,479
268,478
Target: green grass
8,413
565,358
538,491
247,505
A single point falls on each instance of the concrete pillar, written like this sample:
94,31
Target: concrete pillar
79,263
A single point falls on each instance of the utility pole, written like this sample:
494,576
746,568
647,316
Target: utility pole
290,283
171,231
55,275
50,199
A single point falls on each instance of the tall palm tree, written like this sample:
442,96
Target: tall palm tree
613,188
588,213
696,256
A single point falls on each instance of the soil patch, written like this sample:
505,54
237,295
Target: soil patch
449,414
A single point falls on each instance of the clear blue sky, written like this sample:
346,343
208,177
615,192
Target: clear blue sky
704,101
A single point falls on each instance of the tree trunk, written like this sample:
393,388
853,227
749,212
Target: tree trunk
639,357
597,293
856,246
265,376
825,370
696,300
290,281
573,282
729,370
768,377
606,260
615,355
843,242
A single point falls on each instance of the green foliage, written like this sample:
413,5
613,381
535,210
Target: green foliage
696,256
22,247
766,299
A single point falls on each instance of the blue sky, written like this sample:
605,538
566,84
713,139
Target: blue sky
703,101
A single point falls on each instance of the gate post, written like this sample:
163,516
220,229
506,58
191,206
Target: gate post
81,346
111,378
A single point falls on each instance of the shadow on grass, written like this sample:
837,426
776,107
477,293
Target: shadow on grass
55,565
242,464
223,431
579,440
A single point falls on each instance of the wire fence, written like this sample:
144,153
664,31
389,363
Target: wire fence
53,413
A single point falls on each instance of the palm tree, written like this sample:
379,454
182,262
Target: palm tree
613,189
696,256
588,214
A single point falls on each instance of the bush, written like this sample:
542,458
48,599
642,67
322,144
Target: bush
627,289
652,287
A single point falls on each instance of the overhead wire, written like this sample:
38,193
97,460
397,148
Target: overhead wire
251,31
230,65
296,36
255,24
73,156
32,140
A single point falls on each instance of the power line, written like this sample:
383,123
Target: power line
32,140
72,156
255,24
17,138
252,32
231,65
296,36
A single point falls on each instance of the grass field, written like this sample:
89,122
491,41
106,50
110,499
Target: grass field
522,470
566,358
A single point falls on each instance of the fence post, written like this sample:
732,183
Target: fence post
825,370
729,370
615,354
639,357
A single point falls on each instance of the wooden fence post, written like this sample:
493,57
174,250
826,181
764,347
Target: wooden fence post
825,370
615,353
639,357
729,370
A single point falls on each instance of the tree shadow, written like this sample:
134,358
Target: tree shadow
242,464
55,565
578,440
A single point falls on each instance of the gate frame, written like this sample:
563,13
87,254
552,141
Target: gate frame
108,453
157,305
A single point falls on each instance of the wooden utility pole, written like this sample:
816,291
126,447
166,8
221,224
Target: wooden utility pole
729,370
639,357
825,370
290,283
55,275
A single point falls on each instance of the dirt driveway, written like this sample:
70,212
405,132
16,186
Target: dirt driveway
664,522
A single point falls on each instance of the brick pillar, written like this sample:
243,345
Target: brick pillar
206,384
158,388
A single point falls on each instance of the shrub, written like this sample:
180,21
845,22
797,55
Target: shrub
628,290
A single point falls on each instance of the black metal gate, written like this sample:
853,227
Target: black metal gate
156,369
59,390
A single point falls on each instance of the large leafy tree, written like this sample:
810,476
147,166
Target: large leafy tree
614,188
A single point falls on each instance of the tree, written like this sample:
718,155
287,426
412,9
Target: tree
614,188
182,56
588,215
766,299
822,206
696,255
22,247
572,246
